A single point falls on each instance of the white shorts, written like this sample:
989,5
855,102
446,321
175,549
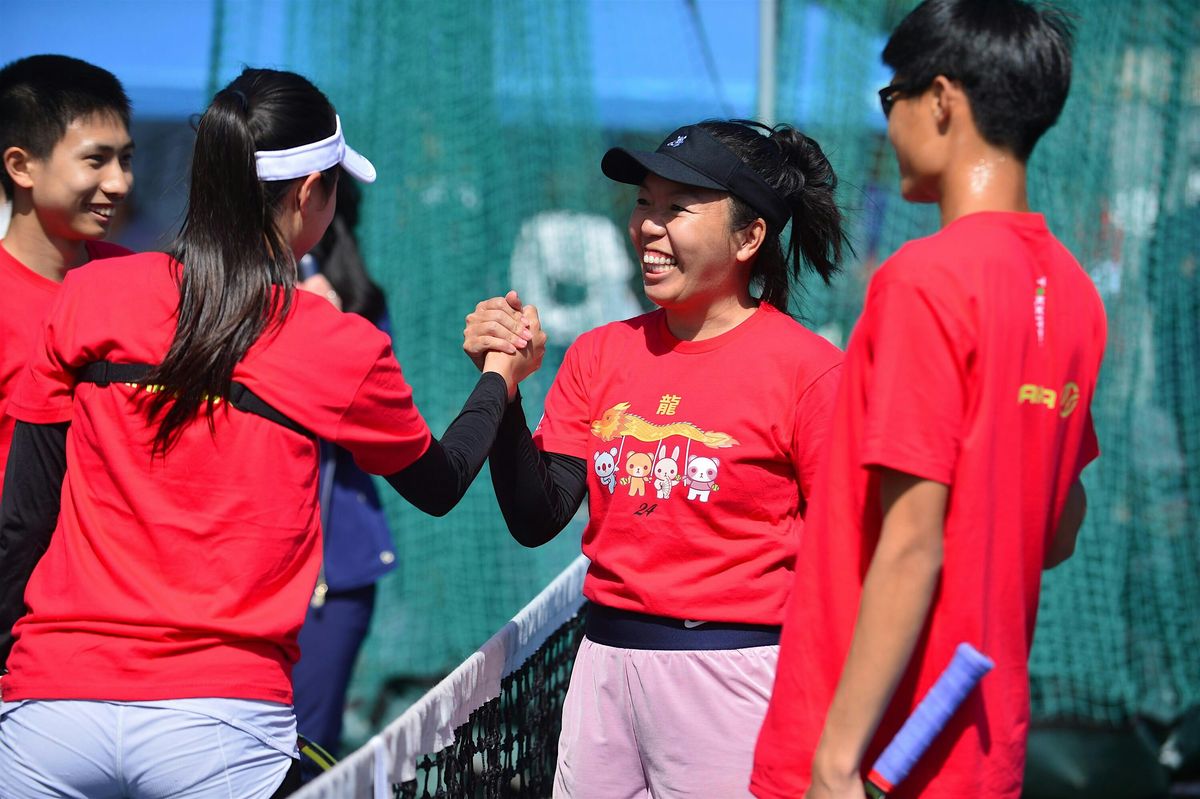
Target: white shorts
188,749
641,723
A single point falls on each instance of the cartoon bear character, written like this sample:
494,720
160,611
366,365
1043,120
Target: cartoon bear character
605,465
701,477
637,466
666,472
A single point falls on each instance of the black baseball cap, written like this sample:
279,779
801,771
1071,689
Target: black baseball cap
691,156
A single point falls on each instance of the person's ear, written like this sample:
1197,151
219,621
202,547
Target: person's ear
947,99
311,194
749,239
17,163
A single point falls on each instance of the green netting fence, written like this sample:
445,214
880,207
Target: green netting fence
481,119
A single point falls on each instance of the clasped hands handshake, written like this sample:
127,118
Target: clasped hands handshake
504,336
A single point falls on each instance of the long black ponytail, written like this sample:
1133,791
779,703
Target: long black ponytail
238,272
797,169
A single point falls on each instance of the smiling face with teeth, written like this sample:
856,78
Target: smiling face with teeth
693,264
76,189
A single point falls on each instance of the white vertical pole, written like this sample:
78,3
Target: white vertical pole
768,36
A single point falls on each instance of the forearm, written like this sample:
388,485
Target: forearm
895,602
893,607
438,479
538,492
28,515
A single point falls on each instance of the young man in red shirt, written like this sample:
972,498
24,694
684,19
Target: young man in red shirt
66,150
961,428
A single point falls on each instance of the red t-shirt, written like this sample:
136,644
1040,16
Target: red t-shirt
974,365
702,456
189,575
25,298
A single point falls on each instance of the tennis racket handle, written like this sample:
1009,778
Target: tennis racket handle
962,675
874,791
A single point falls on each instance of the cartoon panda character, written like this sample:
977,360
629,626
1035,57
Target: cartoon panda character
666,472
637,466
701,477
605,464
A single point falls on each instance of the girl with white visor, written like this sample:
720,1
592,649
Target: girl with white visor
159,533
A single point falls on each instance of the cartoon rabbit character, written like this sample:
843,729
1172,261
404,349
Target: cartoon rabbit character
666,472
701,477
605,465
637,466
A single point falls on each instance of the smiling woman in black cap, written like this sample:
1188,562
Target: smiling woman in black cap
695,431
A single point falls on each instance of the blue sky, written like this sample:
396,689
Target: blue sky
647,55
645,52
141,41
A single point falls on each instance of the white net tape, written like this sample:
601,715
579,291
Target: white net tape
428,726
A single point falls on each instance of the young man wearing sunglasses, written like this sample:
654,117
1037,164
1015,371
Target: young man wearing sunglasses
959,434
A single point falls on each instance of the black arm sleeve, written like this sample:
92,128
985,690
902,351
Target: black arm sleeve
33,481
538,492
436,481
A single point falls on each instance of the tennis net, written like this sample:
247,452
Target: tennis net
490,728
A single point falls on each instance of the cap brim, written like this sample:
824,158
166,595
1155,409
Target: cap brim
631,166
358,166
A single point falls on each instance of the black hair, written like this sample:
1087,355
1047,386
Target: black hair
41,95
237,272
1012,58
338,257
796,168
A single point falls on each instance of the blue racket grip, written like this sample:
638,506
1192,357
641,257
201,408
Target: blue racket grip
962,675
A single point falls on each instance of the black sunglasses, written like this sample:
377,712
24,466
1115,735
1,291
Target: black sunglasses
889,94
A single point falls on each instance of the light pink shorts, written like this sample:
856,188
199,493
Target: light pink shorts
641,723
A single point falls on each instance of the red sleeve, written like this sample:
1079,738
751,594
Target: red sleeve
44,391
1090,447
814,416
915,392
565,427
382,427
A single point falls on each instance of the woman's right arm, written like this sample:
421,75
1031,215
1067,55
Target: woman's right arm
437,480
538,492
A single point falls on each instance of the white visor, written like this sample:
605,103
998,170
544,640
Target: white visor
296,162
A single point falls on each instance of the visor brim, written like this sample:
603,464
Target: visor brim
358,166
632,166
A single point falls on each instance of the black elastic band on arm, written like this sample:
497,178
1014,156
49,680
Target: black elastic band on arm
538,492
37,462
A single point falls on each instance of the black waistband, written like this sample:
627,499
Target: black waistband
631,630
